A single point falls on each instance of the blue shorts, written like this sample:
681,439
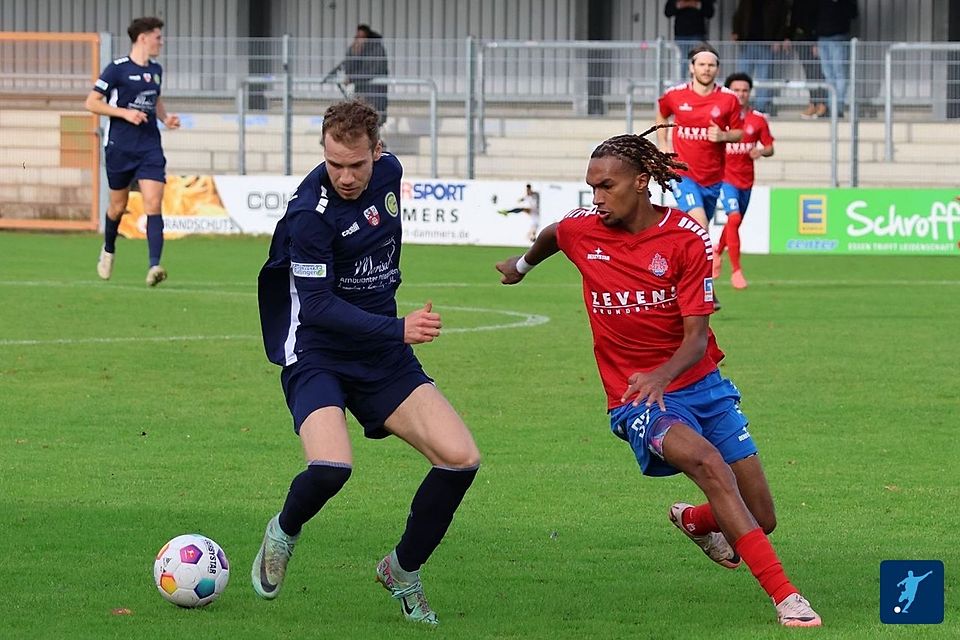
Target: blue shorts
734,200
371,393
123,167
709,406
691,195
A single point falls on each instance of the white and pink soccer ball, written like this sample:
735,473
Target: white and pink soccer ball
191,571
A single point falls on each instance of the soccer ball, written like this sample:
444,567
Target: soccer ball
191,571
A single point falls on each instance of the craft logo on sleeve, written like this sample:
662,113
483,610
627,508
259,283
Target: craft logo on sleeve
911,591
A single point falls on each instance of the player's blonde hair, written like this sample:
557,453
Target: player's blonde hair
350,120
643,155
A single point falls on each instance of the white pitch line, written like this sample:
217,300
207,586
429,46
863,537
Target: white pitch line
67,341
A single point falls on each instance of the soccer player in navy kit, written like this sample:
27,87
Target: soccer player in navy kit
649,294
128,92
328,315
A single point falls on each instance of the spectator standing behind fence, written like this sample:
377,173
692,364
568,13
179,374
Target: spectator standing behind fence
128,92
760,26
689,26
803,34
365,61
833,42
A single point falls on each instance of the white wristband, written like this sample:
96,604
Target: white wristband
523,266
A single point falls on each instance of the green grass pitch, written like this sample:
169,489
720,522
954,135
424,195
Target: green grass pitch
131,415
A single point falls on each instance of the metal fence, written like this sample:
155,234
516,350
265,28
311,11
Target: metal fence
472,85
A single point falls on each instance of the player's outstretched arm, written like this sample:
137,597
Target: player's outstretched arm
421,325
515,267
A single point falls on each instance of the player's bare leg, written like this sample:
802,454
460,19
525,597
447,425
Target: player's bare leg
691,453
700,215
329,457
427,422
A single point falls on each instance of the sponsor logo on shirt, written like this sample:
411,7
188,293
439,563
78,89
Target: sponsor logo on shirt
598,254
372,215
627,302
708,289
136,77
685,107
351,229
390,202
305,270
658,265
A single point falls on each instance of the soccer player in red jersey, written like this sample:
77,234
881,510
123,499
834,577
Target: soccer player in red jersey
648,291
738,175
706,116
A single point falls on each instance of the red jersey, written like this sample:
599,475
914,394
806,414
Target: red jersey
692,114
637,289
738,170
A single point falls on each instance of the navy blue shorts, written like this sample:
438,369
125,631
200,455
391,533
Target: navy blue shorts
710,406
123,167
371,393
691,195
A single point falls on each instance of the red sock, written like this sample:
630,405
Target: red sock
758,553
731,237
721,244
699,520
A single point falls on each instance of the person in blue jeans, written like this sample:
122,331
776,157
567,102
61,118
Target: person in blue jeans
834,18
760,28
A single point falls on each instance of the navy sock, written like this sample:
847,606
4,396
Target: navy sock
110,230
309,491
431,513
155,237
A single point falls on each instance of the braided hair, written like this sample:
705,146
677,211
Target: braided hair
643,155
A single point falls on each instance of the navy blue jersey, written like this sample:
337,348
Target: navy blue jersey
126,84
330,282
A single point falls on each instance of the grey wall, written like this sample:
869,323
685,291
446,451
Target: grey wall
884,20
194,18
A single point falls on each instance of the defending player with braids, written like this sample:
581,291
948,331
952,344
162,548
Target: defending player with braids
648,293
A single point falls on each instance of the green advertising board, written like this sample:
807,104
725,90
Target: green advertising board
865,221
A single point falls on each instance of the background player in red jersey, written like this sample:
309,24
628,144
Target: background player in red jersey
649,294
738,176
706,116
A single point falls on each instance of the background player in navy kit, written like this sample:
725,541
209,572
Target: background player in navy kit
128,92
329,317
649,295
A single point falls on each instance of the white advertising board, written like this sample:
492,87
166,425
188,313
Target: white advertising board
452,211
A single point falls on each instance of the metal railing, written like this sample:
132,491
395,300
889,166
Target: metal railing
888,83
288,82
834,122
430,84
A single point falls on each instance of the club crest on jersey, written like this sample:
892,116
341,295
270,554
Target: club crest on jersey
372,215
147,77
390,202
715,112
708,289
658,266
